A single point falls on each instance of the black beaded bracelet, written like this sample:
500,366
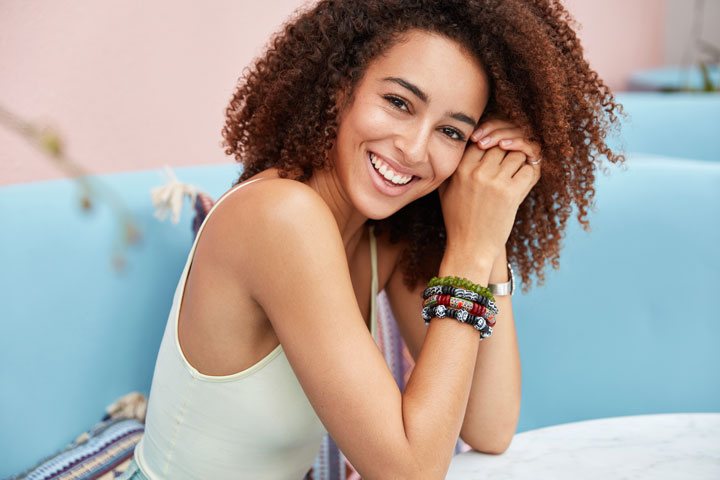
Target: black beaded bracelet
441,311
461,293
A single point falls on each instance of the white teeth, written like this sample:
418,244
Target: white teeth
387,172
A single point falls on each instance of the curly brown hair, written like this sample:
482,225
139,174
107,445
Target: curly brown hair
284,111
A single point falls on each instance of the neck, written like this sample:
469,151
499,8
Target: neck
350,222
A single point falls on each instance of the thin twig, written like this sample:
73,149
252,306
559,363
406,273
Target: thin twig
91,188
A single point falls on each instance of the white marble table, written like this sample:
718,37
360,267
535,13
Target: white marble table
657,447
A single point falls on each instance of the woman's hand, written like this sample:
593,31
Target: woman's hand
505,135
480,200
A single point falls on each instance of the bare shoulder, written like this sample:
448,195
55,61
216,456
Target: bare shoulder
266,217
280,198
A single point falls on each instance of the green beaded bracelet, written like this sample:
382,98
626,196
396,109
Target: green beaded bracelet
460,282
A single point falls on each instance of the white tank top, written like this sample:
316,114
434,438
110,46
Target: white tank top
256,423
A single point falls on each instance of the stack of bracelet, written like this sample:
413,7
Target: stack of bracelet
460,299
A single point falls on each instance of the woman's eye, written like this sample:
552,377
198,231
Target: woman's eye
454,134
397,102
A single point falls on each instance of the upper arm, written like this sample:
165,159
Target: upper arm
295,267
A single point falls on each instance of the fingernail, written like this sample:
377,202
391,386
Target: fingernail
505,143
476,135
485,141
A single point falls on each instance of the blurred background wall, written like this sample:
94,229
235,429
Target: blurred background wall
137,85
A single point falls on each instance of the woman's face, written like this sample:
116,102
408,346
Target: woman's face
409,122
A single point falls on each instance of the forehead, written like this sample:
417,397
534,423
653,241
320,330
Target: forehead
440,66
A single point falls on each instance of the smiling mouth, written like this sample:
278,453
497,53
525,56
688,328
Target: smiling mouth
391,177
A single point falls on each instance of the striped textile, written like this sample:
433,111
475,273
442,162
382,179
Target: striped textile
96,455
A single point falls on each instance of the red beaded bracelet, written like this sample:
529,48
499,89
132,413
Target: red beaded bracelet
461,304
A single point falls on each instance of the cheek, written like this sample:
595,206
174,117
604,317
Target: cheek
372,124
366,121
449,159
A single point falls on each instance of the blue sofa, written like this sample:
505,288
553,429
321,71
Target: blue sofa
683,125
628,325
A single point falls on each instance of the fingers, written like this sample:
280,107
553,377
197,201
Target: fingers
505,135
530,149
511,139
494,162
487,127
491,139
530,174
512,163
471,158
495,170
514,168
499,148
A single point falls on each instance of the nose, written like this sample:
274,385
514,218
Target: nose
413,142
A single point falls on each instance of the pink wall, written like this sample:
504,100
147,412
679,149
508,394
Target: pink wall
136,85
620,36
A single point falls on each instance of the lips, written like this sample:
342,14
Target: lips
389,173
383,185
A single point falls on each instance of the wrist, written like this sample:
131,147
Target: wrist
499,272
474,268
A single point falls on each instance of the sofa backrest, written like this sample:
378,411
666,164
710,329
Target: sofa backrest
629,324
682,125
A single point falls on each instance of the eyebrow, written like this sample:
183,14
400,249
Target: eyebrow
424,97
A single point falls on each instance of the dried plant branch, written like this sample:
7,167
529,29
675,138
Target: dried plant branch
92,190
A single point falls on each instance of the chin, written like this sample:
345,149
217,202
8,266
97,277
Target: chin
374,207
379,213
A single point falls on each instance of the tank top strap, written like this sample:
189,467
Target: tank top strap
374,283
223,197
191,255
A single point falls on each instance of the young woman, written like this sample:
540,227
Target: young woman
383,143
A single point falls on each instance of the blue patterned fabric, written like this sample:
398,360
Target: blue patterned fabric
107,445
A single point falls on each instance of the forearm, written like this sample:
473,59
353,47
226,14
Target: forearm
494,403
435,399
